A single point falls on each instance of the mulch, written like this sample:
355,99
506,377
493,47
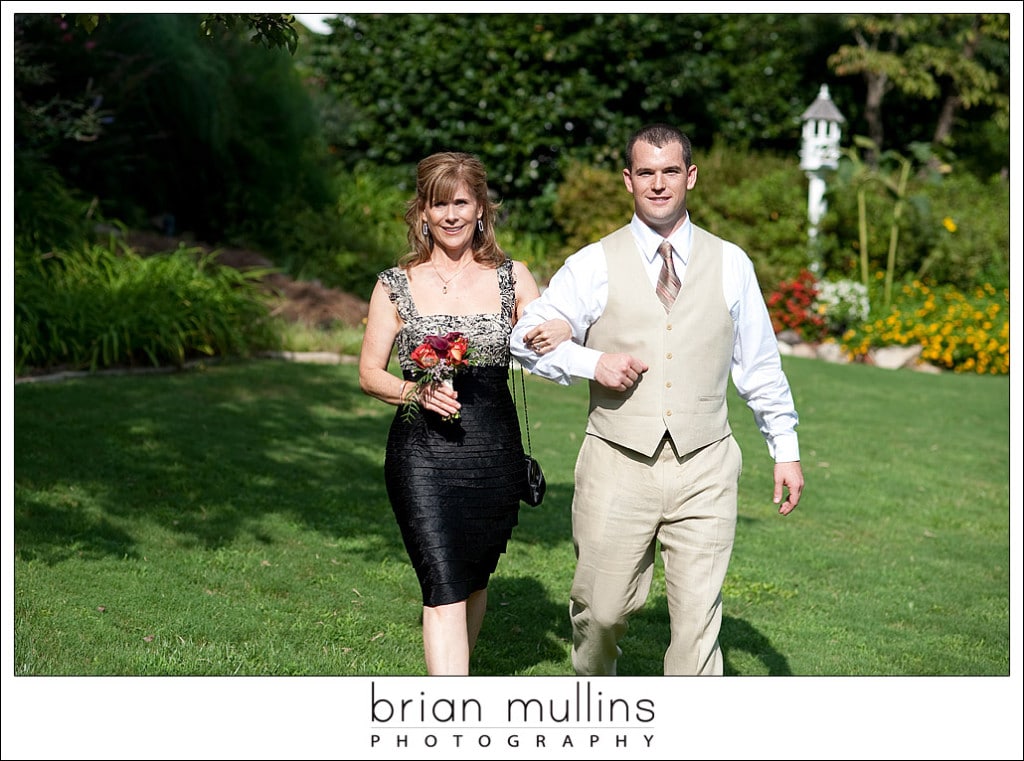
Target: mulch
306,301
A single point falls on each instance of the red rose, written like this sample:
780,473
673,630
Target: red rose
458,348
424,356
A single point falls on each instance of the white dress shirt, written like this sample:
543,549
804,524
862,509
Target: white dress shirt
578,293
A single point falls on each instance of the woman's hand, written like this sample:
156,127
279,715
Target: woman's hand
546,336
440,398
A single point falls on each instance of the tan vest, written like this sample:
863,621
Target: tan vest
688,350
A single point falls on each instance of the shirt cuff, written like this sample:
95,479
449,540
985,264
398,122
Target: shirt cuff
583,362
786,448
563,365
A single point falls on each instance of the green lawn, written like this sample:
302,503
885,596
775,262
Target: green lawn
233,520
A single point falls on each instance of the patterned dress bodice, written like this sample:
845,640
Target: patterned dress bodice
488,334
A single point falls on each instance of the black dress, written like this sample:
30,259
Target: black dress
455,485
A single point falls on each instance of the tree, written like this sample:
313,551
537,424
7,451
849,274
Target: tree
969,80
958,59
272,30
532,93
150,116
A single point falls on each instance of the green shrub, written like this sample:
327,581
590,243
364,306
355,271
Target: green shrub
98,306
967,234
759,202
346,245
541,253
335,337
591,203
954,229
47,213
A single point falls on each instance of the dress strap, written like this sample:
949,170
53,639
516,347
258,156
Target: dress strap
396,283
507,287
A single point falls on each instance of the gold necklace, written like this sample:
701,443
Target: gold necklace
446,281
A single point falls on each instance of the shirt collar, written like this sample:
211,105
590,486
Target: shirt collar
648,240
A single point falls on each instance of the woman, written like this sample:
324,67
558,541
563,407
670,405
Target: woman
454,460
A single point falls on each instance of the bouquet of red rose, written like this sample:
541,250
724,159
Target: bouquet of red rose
440,358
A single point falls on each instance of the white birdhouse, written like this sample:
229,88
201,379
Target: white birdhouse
821,133
819,155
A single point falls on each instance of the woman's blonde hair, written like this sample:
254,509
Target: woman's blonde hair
438,177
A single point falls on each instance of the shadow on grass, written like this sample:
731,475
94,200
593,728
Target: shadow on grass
739,636
526,628
523,628
206,456
643,649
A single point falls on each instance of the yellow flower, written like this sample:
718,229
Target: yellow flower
949,224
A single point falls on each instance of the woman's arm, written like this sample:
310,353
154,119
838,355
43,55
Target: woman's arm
382,325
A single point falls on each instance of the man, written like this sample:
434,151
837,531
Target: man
657,335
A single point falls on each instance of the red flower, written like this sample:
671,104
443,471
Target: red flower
439,344
791,306
457,348
425,356
440,358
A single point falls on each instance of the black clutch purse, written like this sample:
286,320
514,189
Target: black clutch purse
535,485
533,495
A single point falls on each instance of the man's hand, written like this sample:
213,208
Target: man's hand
788,475
618,371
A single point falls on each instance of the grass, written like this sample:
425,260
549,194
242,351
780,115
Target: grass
338,337
232,520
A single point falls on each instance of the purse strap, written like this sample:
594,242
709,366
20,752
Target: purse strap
526,409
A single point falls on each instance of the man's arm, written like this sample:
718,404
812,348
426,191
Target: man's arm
758,376
757,366
576,294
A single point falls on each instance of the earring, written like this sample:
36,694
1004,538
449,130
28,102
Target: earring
480,225
426,230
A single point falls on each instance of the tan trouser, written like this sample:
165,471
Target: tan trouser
624,503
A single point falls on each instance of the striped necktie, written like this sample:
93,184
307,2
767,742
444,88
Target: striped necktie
668,281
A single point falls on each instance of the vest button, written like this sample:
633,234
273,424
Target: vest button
668,413
669,326
668,384
668,356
